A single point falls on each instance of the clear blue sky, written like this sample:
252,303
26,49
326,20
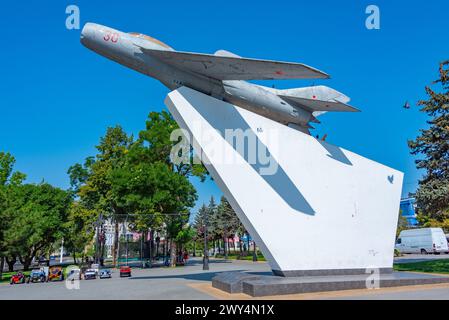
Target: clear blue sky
57,97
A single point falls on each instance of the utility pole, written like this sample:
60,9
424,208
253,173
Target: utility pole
98,224
62,251
118,248
126,235
206,249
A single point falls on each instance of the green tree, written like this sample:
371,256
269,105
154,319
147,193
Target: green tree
7,174
184,236
200,220
175,226
214,225
9,179
402,223
152,187
3,227
92,180
228,221
152,193
79,229
432,147
157,138
38,214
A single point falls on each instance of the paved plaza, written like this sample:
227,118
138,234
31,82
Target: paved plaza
192,283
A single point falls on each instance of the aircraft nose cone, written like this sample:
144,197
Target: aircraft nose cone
87,34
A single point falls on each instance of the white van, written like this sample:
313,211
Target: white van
424,241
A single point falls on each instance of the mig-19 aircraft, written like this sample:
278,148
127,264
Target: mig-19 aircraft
222,75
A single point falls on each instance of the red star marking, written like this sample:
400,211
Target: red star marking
280,73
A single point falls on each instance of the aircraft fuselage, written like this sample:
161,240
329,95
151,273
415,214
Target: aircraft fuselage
125,48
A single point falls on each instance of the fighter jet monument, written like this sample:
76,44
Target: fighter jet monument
322,210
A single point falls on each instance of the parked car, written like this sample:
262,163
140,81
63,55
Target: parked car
17,278
38,275
105,273
424,241
55,273
125,271
90,274
74,274
95,267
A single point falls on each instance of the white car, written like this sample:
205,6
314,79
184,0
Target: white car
90,274
74,274
96,267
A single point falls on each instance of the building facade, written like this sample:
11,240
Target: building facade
408,211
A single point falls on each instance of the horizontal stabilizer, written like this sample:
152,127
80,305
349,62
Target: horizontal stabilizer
318,99
226,66
318,105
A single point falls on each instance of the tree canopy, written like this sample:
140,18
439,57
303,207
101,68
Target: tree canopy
136,181
432,149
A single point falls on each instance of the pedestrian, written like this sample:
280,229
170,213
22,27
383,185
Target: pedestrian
186,256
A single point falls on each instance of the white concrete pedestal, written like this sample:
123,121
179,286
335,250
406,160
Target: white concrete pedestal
312,208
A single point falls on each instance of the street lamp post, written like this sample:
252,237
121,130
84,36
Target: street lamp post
126,235
62,251
254,251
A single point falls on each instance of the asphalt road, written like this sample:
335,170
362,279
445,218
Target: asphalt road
155,283
192,283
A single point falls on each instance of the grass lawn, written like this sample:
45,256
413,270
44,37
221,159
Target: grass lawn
433,266
238,257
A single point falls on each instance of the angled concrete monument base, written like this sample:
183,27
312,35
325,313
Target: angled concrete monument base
312,208
262,285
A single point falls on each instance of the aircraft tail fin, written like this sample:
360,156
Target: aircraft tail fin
318,99
225,53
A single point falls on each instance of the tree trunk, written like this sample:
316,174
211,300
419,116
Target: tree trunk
224,247
194,248
27,262
151,248
115,247
173,253
74,257
152,245
11,262
2,265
